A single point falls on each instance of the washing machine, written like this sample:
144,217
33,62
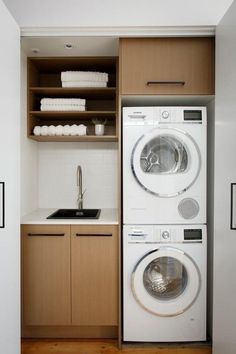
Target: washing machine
164,283
164,165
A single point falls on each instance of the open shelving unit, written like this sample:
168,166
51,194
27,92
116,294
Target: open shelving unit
44,80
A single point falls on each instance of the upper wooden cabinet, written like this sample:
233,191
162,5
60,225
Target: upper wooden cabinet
167,66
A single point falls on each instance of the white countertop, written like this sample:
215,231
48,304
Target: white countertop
39,216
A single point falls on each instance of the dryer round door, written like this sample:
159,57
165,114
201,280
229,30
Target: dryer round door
166,282
166,161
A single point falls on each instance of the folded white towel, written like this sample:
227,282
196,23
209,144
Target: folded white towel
44,130
84,76
59,130
84,84
37,130
64,101
81,129
61,107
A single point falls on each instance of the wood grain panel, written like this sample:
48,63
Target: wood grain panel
46,275
94,265
167,59
70,332
108,347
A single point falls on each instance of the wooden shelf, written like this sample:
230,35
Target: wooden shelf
82,92
88,138
44,80
69,114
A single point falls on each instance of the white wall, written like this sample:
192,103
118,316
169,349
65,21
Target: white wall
224,309
29,152
57,163
50,13
9,173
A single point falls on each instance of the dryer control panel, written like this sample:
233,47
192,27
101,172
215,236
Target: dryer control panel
155,115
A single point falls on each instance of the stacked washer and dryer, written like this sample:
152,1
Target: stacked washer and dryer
164,224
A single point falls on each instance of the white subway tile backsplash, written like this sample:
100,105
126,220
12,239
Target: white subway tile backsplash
57,174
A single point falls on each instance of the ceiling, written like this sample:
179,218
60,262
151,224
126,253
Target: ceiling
80,46
92,27
79,13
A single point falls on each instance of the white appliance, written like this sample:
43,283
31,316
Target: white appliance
164,165
164,283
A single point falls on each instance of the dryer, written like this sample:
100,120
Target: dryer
164,165
164,283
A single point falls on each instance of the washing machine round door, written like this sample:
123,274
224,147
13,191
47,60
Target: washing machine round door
166,161
166,282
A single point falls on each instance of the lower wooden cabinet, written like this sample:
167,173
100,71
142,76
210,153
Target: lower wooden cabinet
46,275
94,270
70,280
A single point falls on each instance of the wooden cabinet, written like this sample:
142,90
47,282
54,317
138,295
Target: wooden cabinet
70,280
167,66
44,80
46,275
94,266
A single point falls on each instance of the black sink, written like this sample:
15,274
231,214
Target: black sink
75,214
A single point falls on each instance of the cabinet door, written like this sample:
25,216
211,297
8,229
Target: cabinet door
94,252
46,275
176,66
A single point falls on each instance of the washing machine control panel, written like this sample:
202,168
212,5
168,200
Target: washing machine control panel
170,234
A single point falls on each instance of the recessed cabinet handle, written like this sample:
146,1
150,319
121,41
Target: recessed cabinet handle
34,234
165,83
106,235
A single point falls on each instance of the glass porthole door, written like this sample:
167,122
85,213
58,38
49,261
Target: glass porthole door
162,162
166,282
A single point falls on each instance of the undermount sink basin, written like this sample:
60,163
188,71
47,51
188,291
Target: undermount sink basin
75,214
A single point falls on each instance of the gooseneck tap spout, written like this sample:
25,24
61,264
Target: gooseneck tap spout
80,187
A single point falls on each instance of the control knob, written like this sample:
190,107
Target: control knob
165,235
165,114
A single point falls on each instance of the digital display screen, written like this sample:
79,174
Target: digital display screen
192,234
193,115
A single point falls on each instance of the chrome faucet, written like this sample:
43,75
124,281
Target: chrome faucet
80,187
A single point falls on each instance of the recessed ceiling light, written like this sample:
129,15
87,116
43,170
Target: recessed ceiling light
68,45
35,50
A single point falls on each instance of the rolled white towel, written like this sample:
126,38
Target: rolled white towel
64,101
52,130
84,76
44,130
37,130
74,129
67,130
84,84
61,107
82,129
59,130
